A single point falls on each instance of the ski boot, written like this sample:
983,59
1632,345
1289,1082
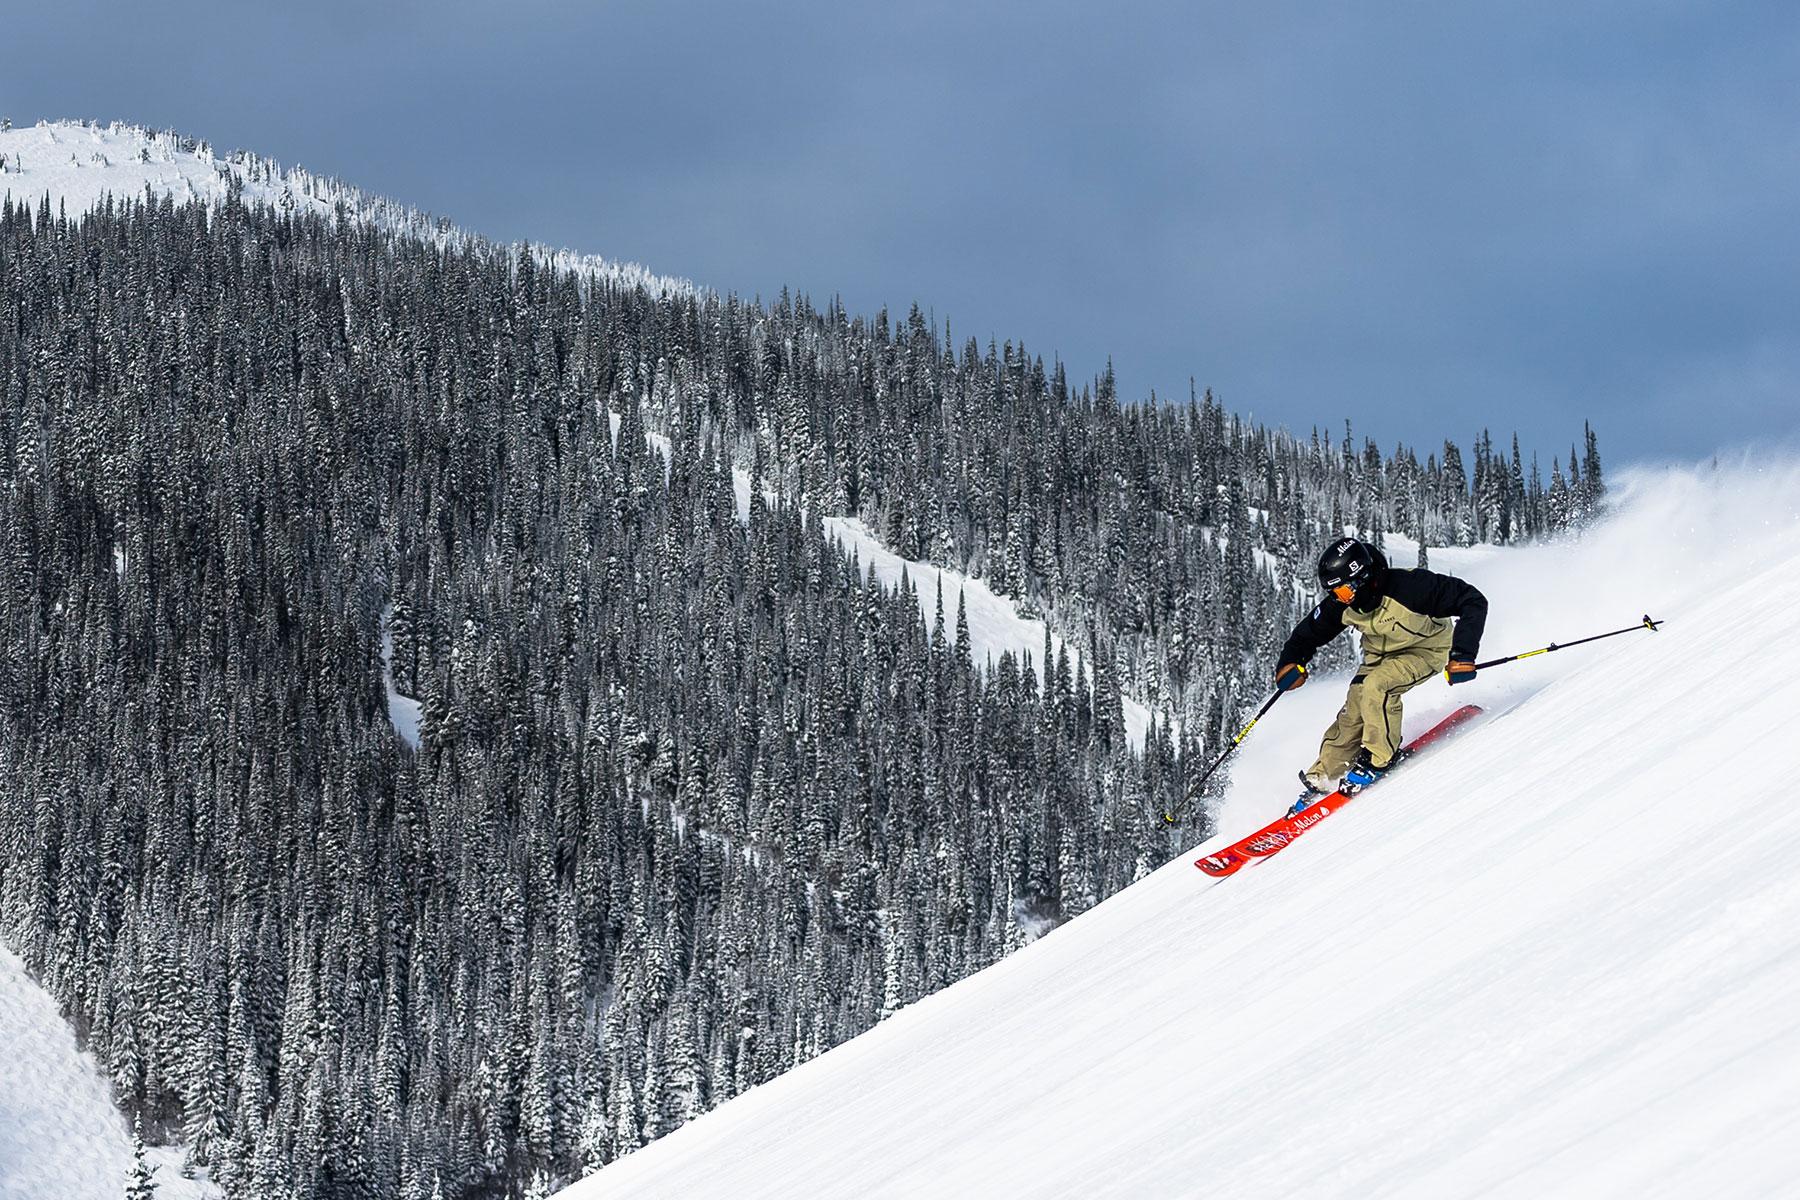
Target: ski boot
1311,793
1363,772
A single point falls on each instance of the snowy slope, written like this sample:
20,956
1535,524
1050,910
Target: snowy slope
60,1136
77,165
1559,958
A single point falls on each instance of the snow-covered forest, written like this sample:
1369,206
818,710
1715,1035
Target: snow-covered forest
693,798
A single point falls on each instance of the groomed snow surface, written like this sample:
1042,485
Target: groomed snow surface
60,1136
1560,957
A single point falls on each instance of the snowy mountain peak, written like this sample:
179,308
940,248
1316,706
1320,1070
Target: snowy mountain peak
77,165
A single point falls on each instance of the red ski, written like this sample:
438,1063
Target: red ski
1278,833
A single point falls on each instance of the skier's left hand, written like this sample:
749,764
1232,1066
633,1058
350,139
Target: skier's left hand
1459,672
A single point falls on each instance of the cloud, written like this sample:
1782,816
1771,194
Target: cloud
1430,218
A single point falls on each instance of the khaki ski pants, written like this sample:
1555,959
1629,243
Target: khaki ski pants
1371,713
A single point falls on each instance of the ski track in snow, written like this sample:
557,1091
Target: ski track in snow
1558,957
61,1138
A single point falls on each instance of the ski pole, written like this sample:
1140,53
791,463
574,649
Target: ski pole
1646,623
1194,788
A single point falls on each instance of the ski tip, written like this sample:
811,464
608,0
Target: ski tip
1220,863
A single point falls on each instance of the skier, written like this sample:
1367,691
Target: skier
1404,617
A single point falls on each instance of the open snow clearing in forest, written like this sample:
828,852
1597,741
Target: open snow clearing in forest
997,627
1558,957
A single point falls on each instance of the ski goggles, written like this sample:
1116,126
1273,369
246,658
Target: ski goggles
1343,593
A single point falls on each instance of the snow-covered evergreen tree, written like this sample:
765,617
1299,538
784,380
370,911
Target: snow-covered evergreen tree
138,1182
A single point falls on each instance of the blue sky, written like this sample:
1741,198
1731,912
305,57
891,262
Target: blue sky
1428,218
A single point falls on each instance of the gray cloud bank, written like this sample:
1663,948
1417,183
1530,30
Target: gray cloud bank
1429,218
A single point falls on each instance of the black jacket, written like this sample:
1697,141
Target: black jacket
1425,592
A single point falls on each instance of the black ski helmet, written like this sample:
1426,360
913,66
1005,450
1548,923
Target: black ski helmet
1352,564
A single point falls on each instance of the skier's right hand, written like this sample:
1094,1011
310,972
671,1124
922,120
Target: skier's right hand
1290,676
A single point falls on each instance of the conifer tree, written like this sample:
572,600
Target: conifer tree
138,1182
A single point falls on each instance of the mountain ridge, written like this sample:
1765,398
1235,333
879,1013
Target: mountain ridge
78,164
